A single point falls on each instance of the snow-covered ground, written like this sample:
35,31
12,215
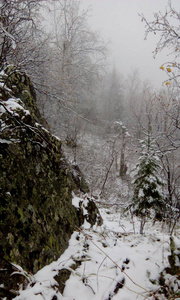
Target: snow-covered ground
114,263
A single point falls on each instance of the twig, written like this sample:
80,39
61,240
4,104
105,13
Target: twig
106,255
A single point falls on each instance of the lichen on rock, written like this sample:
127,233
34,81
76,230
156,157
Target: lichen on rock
36,182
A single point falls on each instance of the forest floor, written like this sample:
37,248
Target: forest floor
114,262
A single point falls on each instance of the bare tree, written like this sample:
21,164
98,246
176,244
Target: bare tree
158,111
17,25
166,26
167,138
78,56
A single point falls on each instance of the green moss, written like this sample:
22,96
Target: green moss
36,212
37,207
173,258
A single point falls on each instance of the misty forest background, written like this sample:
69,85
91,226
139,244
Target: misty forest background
116,128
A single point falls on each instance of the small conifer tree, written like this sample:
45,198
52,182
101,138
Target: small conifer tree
147,196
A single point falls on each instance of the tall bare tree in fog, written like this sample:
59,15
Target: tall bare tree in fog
78,56
20,37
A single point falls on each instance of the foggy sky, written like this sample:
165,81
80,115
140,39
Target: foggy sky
118,22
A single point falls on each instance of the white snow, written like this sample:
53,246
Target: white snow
111,255
13,105
76,201
4,141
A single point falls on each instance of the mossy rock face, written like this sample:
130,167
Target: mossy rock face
18,85
11,279
170,276
36,215
36,183
174,260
